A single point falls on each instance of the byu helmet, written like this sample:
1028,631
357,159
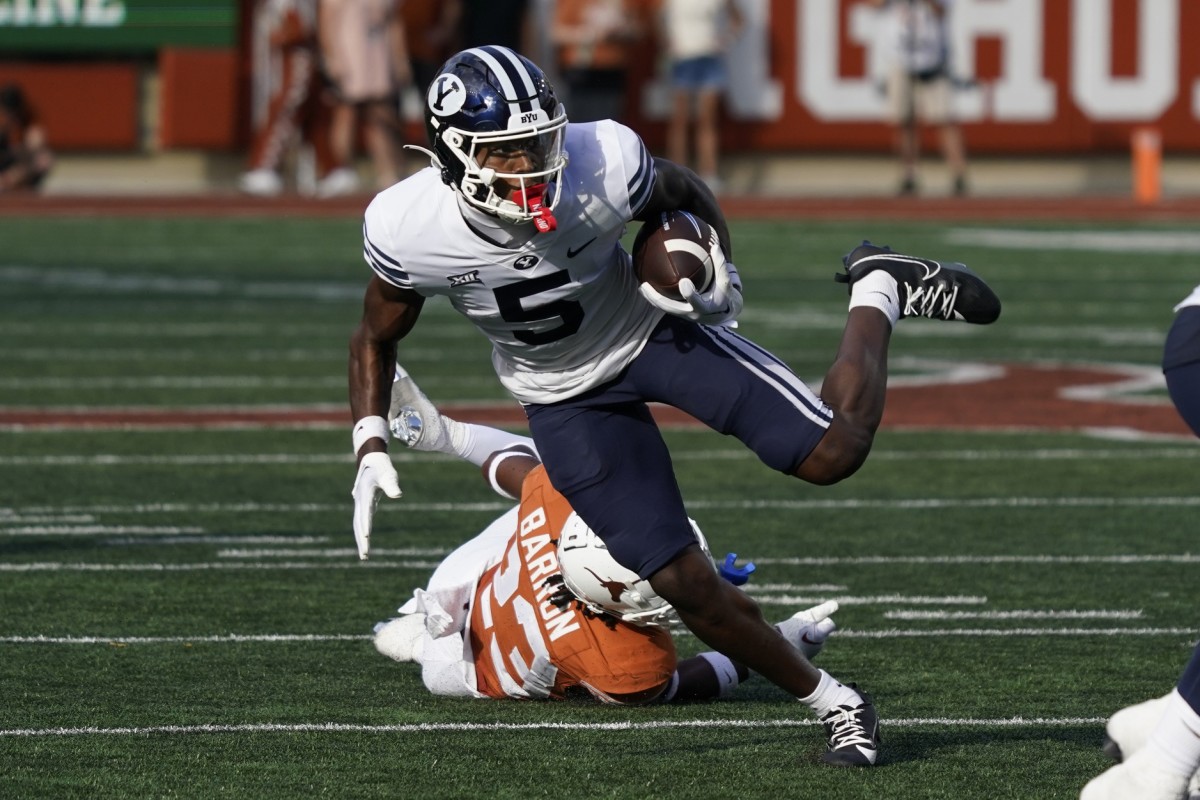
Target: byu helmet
490,96
603,585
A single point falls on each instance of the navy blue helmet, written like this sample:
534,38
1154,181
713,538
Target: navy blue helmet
491,97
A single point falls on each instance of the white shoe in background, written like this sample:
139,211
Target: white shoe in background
341,181
261,182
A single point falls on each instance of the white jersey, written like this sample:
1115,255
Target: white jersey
694,27
1192,299
562,310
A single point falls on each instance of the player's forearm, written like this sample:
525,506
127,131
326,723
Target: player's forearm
370,374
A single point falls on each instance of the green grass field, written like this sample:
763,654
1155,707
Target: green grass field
184,614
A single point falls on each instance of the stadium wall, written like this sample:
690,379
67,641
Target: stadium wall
1034,76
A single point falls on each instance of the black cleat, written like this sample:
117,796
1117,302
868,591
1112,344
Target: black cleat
927,288
853,734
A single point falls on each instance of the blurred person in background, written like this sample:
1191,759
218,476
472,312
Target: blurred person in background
594,39
286,60
431,30
1158,741
697,33
366,61
25,156
919,86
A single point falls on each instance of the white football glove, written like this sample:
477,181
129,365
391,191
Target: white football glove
720,305
808,629
375,474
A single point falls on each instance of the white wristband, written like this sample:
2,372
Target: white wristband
369,428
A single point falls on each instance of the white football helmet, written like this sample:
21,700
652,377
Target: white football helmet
606,587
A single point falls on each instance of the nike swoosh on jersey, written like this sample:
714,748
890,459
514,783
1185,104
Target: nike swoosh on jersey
572,252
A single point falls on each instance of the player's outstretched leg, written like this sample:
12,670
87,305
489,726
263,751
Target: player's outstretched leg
925,288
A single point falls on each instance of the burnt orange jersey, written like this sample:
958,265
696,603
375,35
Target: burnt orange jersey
524,646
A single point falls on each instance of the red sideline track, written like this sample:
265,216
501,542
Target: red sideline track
1021,397
1024,397
1079,208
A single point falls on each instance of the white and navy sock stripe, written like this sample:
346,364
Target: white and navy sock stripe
770,369
515,81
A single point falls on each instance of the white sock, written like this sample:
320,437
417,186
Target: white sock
877,290
1176,738
829,695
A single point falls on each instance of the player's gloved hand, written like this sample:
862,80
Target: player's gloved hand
808,629
720,305
375,474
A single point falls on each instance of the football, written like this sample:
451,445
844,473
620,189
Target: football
675,246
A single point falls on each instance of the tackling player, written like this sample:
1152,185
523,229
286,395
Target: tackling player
1159,739
502,617
534,607
518,224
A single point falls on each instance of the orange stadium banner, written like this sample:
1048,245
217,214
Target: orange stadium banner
1032,76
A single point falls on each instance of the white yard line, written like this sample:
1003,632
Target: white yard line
349,562
222,539
505,727
218,566
96,530
1164,558
333,552
897,633
9,515
1016,614
842,633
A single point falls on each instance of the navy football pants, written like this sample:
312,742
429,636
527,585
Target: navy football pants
1181,365
604,452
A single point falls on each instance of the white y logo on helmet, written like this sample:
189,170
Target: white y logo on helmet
446,94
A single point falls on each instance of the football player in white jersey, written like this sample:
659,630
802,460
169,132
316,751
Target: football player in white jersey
518,223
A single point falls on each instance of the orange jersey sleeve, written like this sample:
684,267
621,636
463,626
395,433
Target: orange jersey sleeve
524,646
